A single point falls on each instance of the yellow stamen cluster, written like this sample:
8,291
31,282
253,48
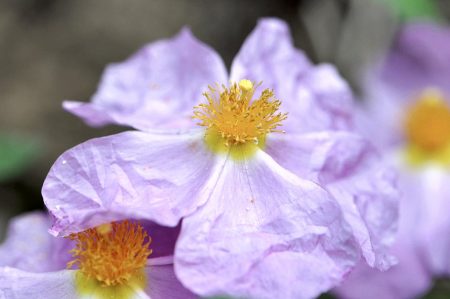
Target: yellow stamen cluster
427,124
111,254
237,119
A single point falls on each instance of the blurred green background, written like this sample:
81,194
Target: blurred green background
51,50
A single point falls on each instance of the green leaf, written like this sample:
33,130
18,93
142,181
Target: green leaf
415,9
16,154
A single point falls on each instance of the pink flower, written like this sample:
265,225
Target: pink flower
265,214
33,263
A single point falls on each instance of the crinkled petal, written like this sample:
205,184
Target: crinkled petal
408,279
156,87
264,233
30,247
158,177
323,101
349,168
163,284
268,55
17,284
315,97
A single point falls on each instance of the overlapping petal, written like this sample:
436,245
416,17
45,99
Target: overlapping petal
17,284
408,279
405,280
349,168
156,87
316,97
163,284
30,247
260,219
249,211
159,177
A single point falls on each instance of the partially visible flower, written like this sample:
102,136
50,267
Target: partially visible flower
111,261
265,214
407,114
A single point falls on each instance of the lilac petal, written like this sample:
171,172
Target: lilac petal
17,284
348,167
423,243
419,59
163,238
435,248
268,55
264,233
323,101
408,279
163,284
158,177
94,115
156,87
381,117
425,220
30,247
315,97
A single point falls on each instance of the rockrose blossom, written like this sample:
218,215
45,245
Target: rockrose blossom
408,108
275,203
117,260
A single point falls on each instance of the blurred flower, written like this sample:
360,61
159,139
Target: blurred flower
32,262
265,214
407,114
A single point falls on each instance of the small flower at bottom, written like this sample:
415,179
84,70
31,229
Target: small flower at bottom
111,264
112,256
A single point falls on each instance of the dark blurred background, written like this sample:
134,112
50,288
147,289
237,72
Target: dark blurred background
51,50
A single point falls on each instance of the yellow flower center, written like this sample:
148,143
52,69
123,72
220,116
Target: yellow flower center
111,256
427,126
233,119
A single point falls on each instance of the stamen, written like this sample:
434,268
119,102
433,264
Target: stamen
111,254
427,124
235,118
